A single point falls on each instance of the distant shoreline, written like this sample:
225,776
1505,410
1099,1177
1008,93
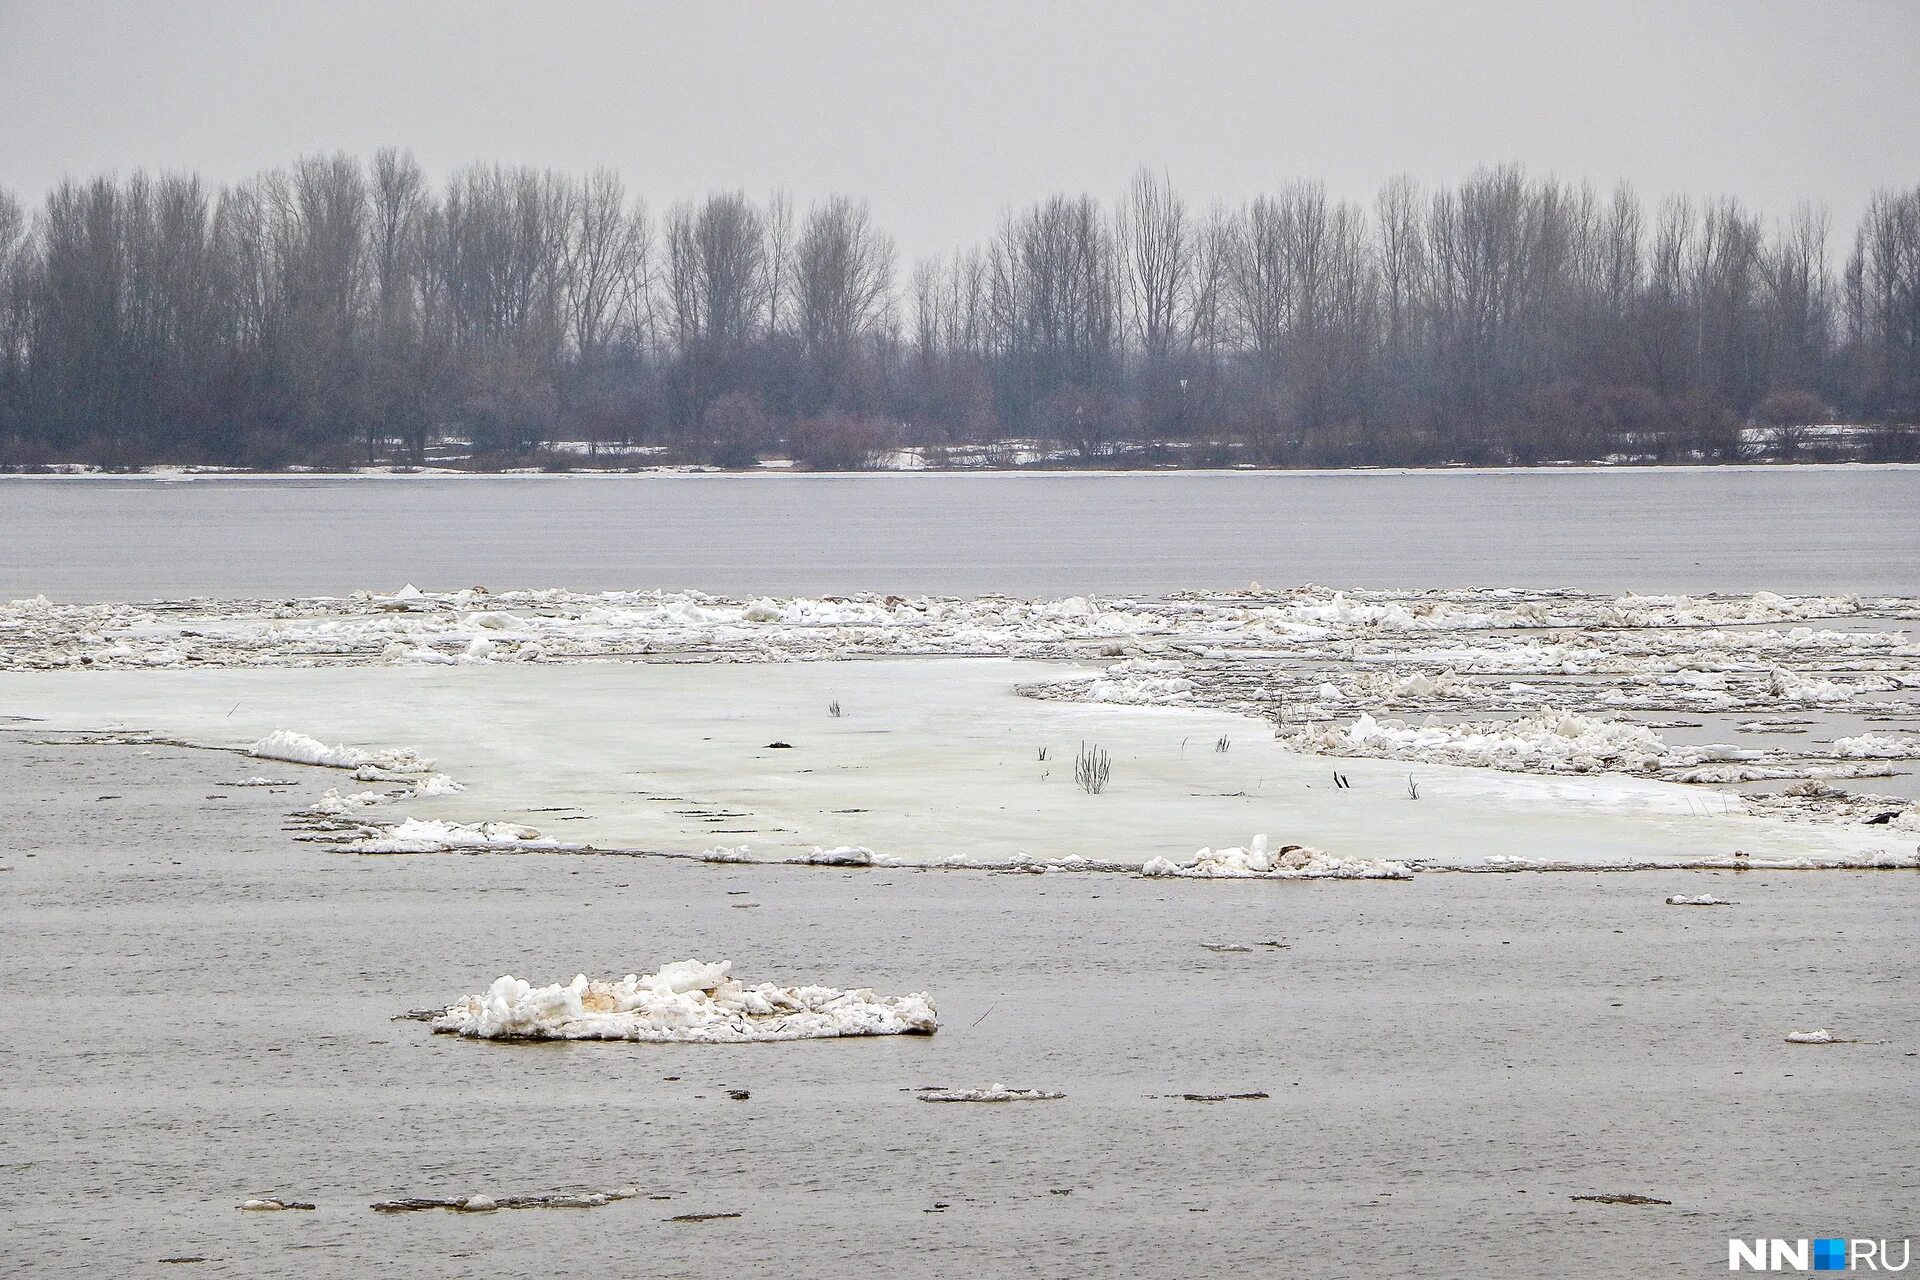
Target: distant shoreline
163,472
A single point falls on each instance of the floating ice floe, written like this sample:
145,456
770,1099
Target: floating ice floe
258,780
432,835
491,1204
298,748
995,1092
1289,862
1696,900
272,1204
688,1001
1877,746
860,856
1822,1036
1877,860
1255,1095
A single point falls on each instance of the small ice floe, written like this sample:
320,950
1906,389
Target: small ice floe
1254,1096
299,748
689,1001
995,1092
259,780
1289,862
272,1204
1868,861
431,835
491,1204
1822,1036
1225,946
1877,746
1696,900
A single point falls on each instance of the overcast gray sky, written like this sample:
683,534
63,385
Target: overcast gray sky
944,114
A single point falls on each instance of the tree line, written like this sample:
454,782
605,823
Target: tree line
341,311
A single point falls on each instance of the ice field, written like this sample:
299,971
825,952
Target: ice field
930,760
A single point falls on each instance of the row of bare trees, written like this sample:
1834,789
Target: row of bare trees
338,311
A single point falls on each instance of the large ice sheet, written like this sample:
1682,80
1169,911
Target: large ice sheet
932,758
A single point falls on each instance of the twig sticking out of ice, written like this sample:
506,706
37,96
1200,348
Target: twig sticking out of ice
489,1204
1696,900
298,748
1289,862
688,1001
272,1204
995,1092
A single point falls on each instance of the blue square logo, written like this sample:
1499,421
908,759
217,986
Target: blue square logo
1829,1255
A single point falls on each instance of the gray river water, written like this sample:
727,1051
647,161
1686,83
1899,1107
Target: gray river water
1786,529
199,1011
198,1008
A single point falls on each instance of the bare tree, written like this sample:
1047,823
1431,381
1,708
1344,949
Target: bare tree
717,288
843,288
